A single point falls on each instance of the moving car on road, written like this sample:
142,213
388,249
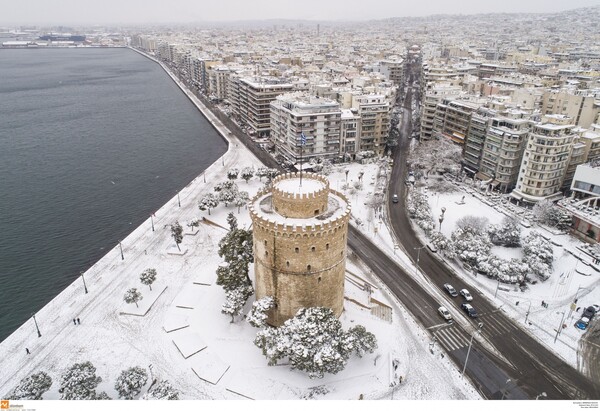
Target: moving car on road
468,308
445,313
465,293
395,198
450,290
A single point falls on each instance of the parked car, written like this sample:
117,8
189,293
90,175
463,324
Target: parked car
465,293
589,312
445,313
395,198
582,323
450,290
432,248
468,308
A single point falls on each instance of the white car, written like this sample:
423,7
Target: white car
465,293
445,313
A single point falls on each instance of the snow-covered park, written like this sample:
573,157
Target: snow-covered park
176,332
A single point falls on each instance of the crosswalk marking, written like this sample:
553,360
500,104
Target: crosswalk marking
450,338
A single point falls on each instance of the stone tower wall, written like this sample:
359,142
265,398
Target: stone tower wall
300,265
300,205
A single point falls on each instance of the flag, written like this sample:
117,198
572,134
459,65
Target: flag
302,139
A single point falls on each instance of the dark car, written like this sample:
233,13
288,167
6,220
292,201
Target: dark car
589,312
468,308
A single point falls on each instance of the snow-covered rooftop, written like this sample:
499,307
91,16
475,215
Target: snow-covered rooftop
298,186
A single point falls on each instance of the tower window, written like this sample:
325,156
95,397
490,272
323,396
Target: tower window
287,263
316,212
266,253
265,243
308,267
297,250
327,246
319,280
312,249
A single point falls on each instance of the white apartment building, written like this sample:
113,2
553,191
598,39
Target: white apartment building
545,160
318,118
218,81
350,133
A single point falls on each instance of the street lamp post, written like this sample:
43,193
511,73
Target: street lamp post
470,344
528,311
442,218
497,286
36,326
152,221
559,327
121,248
178,200
83,278
418,256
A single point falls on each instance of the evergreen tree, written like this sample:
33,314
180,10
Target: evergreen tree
32,387
177,233
133,296
130,382
236,249
314,342
258,315
148,277
162,391
241,199
207,202
235,300
79,382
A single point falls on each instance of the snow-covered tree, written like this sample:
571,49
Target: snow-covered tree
132,296
326,168
194,222
148,276
314,342
443,244
162,391
241,199
272,173
31,388
79,382
262,172
258,315
130,382
538,255
236,249
233,173
476,224
376,201
247,173
436,154
235,300
470,244
207,202
177,233
546,212
441,185
419,210
507,234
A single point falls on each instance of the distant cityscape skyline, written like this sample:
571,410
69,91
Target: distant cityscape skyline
82,12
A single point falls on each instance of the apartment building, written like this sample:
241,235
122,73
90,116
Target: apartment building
451,119
505,140
545,160
374,112
218,82
318,118
473,148
580,105
350,133
431,97
251,102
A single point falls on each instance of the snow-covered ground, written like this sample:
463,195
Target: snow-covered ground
179,334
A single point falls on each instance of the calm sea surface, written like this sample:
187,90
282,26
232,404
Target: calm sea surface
92,141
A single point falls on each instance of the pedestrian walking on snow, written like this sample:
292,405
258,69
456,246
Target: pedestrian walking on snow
74,321
27,351
78,322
